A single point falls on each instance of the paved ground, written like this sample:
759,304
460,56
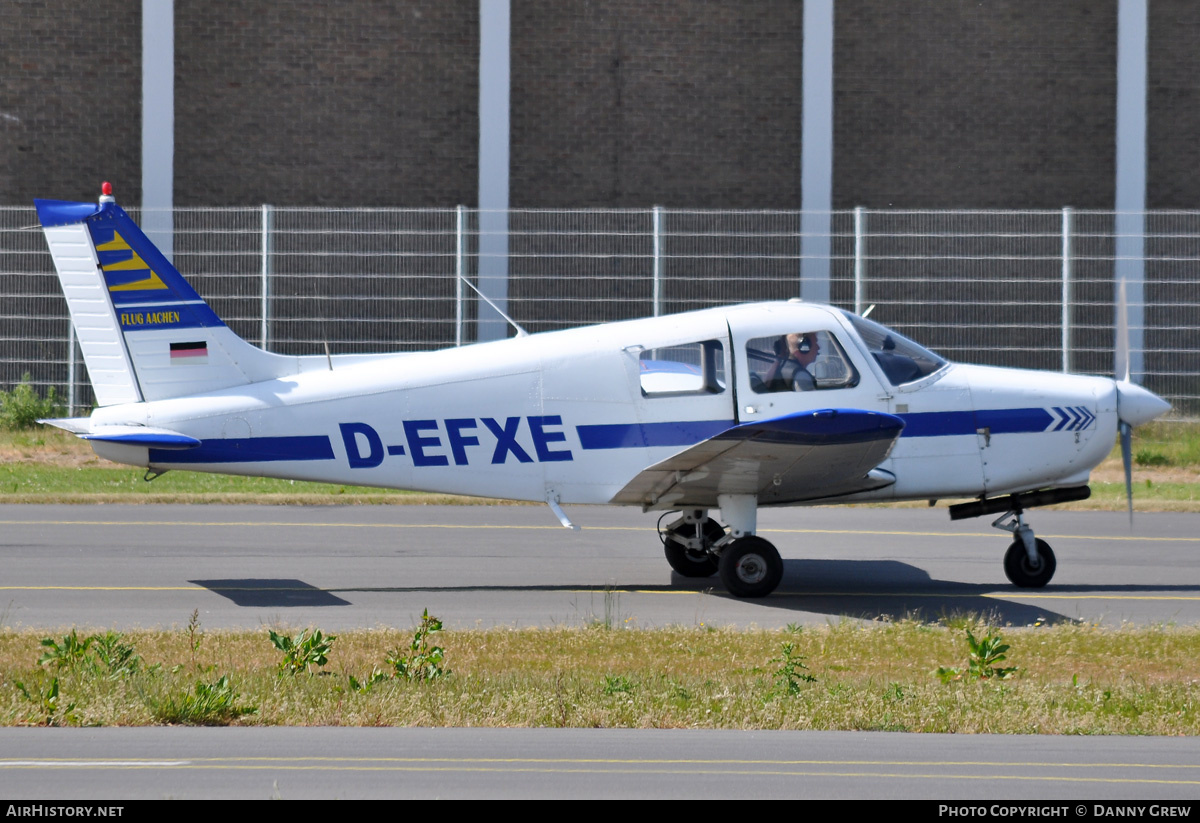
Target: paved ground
344,567
988,771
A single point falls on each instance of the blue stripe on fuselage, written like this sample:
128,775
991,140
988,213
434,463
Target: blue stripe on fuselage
611,436
250,450
649,435
1000,421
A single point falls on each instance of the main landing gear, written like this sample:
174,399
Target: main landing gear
698,546
1029,562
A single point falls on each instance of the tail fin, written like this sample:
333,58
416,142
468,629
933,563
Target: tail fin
144,332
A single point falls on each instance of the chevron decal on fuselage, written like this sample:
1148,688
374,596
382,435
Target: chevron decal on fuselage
1070,418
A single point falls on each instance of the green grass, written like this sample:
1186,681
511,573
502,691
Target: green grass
1166,444
24,482
1070,679
46,465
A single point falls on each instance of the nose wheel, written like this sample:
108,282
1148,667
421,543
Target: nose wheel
1021,572
1029,562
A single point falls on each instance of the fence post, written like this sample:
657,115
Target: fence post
459,227
860,248
266,273
1066,289
70,366
656,284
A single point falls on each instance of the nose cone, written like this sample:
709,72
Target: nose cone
1136,405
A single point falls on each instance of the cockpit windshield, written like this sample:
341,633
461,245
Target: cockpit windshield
902,360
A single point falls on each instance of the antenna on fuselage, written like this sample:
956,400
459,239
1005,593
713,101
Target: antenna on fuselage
870,309
520,331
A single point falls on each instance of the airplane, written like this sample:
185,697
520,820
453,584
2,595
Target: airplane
694,415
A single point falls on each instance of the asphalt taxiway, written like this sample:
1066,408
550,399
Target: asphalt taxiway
119,566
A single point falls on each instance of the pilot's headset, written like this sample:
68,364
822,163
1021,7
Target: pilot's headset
804,344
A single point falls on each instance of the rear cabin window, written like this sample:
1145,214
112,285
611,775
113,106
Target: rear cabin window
690,368
800,361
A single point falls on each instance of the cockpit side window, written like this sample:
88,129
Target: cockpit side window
689,368
799,361
902,360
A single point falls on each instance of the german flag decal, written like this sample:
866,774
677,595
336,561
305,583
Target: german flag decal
189,354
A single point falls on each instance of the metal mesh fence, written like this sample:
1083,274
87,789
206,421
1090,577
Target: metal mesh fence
1010,288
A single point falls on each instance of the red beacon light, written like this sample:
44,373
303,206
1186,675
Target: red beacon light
106,188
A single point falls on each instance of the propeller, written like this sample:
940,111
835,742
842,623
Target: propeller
1121,369
1135,405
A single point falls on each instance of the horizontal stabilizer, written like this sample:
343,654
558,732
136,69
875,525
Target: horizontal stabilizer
805,456
129,435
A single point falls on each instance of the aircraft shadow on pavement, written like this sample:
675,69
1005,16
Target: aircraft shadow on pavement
890,589
271,592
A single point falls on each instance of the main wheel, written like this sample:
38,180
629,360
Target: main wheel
1020,573
751,567
693,562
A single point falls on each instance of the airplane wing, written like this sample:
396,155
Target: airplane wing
798,457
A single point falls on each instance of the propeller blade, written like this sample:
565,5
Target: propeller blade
1121,361
1127,460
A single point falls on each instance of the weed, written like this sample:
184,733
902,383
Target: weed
365,686
194,634
791,673
302,652
982,657
211,704
424,660
68,654
21,408
102,654
612,611
617,684
114,657
1151,458
48,703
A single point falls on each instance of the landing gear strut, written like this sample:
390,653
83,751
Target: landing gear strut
698,546
689,543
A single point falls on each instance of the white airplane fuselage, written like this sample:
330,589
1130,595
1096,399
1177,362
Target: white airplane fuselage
567,414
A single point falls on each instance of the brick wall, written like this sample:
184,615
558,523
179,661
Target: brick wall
656,102
70,99
313,103
947,104
938,103
1173,106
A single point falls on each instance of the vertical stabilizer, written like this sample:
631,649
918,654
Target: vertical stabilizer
144,331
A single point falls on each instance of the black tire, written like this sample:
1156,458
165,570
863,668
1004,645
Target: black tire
751,567
692,563
1018,570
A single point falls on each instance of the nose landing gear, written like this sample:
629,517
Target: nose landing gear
1029,562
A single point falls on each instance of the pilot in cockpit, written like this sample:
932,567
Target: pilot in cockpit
794,353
